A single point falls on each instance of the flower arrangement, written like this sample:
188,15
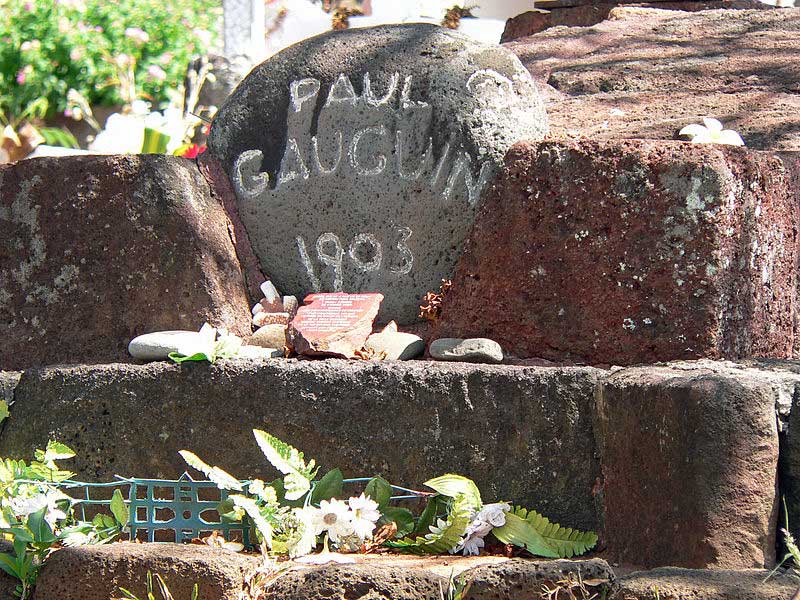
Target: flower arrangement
291,517
297,513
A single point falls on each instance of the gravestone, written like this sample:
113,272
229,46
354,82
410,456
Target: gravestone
358,158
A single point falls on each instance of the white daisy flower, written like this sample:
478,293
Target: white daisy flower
365,515
335,518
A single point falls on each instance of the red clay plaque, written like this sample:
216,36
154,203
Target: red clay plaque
333,324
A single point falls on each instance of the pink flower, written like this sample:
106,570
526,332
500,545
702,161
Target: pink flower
30,45
28,6
137,35
156,72
23,73
75,54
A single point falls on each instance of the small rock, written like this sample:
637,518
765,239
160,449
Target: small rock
272,299
265,318
333,324
478,350
257,352
396,344
270,292
270,336
290,305
159,344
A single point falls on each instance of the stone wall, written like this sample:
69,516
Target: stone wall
96,250
673,465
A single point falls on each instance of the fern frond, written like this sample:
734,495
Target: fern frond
289,461
565,541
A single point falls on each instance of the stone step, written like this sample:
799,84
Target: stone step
672,464
694,584
97,573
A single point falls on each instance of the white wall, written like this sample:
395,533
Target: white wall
500,9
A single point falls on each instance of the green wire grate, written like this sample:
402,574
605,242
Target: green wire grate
161,509
165,510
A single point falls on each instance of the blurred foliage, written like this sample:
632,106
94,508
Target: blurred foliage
50,46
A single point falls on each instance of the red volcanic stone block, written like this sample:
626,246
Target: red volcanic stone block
689,458
95,250
631,252
333,324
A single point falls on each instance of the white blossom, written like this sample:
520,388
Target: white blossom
486,519
493,514
22,507
365,515
711,132
326,557
305,539
335,518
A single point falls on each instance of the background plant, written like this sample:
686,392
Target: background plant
48,47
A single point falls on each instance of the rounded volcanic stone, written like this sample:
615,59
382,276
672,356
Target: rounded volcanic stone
480,350
358,158
159,344
270,336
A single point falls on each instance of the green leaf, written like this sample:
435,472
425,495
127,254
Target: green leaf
45,473
227,513
330,486
155,142
402,517
249,506
444,535
58,137
118,509
179,358
222,479
57,451
454,485
289,461
538,535
4,414
9,565
40,528
379,490
20,534
436,505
